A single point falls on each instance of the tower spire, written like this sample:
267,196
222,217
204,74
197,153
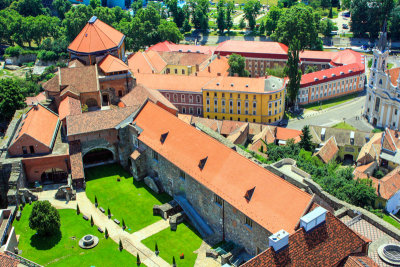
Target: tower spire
382,43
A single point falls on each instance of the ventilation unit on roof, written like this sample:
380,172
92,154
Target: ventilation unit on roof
333,74
323,130
189,50
232,84
249,194
350,71
341,73
197,51
325,77
279,240
92,20
313,219
180,50
367,138
163,137
217,84
202,163
247,85
315,79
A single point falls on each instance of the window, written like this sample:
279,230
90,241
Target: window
31,149
182,175
198,99
230,95
175,97
198,111
215,94
246,104
248,222
254,112
215,102
218,200
167,95
208,94
238,104
238,111
246,112
223,102
270,97
155,155
395,112
269,113
168,71
183,72
254,104
247,96
269,105
254,97
190,99
176,71
378,101
238,95
191,110
208,101
223,110
183,110
230,103
231,112
135,141
120,93
276,104
24,150
182,98
215,109
223,94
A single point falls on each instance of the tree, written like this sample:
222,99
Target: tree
177,12
4,4
272,19
230,6
186,26
346,4
326,4
286,3
305,142
395,22
310,69
106,233
44,218
251,9
327,27
330,13
11,98
262,28
293,71
123,224
221,16
95,3
61,7
301,23
120,245
109,213
168,31
156,248
242,24
237,65
75,19
29,7
91,220
173,261
200,9
78,211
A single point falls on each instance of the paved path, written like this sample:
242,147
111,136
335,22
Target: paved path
151,229
202,260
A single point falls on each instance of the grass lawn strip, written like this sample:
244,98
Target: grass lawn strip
343,125
330,103
184,240
390,220
63,249
127,199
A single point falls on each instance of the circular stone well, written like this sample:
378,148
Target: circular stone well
88,241
390,253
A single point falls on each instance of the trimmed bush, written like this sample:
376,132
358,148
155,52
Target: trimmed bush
78,211
120,245
106,233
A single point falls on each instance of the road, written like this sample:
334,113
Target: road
334,115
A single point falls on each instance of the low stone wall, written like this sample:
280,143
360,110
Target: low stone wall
25,58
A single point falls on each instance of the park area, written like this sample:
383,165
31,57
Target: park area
127,199
62,249
185,240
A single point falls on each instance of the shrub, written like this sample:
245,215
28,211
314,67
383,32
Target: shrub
47,55
123,224
120,245
109,212
173,261
91,221
14,51
77,209
138,259
44,218
106,233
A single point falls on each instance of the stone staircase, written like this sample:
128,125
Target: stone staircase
195,218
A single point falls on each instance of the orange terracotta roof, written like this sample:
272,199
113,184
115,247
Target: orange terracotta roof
112,64
228,126
286,134
332,74
347,57
138,95
167,46
217,67
389,185
183,59
7,261
172,82
328,151
372,149
40,124
96,36
326,245
256,146
310,55
185,117
244,84
394,75
252,47
390,141
75,152
69,106
226,173
359,260
75,63
31,100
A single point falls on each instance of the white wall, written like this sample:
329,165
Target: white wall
393,204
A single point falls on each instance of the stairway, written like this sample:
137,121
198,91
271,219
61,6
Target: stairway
194,217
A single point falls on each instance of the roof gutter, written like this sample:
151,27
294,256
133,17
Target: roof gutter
53,139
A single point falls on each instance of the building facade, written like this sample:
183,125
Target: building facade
383,92
245,99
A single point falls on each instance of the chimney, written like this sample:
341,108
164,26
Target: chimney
138,70
313,219
35,106
209,69
195,73
152,71
279,240
197,68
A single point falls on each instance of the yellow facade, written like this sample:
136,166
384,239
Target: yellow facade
266,107
179,70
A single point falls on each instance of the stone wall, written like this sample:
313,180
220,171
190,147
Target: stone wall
25,58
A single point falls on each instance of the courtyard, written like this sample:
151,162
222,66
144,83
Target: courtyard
127,199
62,249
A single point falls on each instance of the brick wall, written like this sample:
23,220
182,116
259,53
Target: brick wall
186,102
27,141
34,167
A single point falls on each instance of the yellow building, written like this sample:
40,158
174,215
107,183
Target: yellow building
245,99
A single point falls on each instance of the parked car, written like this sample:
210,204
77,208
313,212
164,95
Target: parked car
345,26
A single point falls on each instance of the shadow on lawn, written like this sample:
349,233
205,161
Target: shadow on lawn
45,242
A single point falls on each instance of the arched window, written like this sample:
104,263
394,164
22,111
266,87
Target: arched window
383,64
375,63
380,82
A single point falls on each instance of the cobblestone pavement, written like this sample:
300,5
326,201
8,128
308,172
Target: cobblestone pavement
202,260
377,237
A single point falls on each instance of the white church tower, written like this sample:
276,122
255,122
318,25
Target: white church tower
383,98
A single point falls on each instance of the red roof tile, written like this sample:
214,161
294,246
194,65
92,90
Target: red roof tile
75,157
69,106
319,56
7,261
390,141
96,37
167,46
111,64
389,185
35,99
252,47
286,134
328,151
359,260
326,245
394,75
347,57
39,123
226,173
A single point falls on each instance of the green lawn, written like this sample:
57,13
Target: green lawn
390,220
129,200
330,103
185,240
343,125
63,249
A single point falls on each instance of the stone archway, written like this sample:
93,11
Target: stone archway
91,102
98,156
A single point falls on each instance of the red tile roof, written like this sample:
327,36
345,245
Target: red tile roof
138,95
31,100
96,37
75,152
218,67
318,56
7,261
347,57
394,75
390,141
359,260
324,76
172,82
167,46
389,185
111,64
326,245
328,151
229,127
226,173
40,124
232,46
286,134
146,62
69,106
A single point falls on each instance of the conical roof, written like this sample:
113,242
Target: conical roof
96,36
